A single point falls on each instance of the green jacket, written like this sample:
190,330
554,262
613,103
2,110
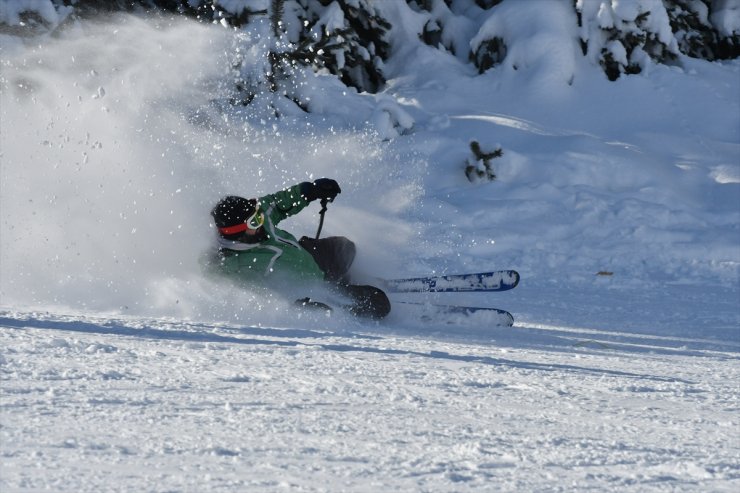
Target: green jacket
278,255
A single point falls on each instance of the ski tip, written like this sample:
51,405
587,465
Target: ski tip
517,278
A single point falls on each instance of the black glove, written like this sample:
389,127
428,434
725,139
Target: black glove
323,188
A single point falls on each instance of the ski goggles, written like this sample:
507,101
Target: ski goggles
250,226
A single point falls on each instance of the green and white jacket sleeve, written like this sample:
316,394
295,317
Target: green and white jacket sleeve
283,204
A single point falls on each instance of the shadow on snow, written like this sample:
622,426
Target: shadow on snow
298,338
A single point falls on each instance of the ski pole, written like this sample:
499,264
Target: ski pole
324,203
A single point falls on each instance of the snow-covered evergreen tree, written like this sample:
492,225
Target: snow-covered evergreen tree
340,37
624,37
349,38
707,29
450,23
346,37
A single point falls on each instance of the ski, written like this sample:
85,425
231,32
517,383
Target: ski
456,313
501,280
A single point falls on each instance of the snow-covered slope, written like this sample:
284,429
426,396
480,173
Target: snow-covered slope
124,368
111,404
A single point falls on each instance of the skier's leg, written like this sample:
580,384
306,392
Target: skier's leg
334,255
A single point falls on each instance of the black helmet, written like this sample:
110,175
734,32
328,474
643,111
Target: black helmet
231,215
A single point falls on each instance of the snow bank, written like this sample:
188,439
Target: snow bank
541,41
725,16
11,12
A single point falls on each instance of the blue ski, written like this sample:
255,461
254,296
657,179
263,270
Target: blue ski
501,280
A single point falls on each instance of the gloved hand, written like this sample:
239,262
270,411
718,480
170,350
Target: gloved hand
323,188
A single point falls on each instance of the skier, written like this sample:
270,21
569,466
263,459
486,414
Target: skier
252,249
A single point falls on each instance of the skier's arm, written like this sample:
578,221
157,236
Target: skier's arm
292,200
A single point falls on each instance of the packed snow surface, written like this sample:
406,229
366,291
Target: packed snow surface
124,368
100,404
